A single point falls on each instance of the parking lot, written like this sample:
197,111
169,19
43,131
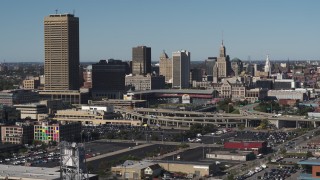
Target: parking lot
134,154
39,158
274,172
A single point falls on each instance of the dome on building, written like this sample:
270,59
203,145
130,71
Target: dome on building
235,60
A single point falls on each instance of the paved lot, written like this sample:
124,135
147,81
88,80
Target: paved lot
106,147
293,176
138,153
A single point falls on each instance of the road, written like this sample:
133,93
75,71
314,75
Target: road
252,164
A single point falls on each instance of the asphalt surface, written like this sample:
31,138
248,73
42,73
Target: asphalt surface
137,153
293,176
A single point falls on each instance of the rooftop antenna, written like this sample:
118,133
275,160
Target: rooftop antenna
56,11
222,38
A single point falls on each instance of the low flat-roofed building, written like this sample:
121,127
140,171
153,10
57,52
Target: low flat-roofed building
53,105
256,94
134,169
32,173
107,108
31,111
18,96
234,156
288,94
202,84
8,114
311,169
280,84
200,169
21,133
255,146
68,96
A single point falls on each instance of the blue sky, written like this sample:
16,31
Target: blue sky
110,28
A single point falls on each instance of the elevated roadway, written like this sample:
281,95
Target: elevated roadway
164,117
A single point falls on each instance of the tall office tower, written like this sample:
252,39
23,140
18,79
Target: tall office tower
196,75
108,79
166,67
141,60
267,67
180,69
223,63
215,74
61,44
237,66
209,63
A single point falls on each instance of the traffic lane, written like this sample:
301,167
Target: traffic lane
106,147
135,153
209,139
195,154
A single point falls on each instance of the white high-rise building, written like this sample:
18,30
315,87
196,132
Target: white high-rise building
181,69
267,67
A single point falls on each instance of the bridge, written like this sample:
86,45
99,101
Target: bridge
180,119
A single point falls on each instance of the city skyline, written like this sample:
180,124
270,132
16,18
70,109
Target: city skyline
284,29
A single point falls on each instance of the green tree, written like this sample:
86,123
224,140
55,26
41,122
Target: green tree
283,151
241,127
230,176
309,154
264,124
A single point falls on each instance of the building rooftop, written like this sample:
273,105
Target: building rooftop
204,163
61,15
28,172
315,162
176,91
17,172
136,164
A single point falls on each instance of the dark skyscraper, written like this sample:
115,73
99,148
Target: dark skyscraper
108,79
181,69
61,44
141,60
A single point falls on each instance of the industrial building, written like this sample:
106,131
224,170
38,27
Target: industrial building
288,94
255,146
233,156
199,169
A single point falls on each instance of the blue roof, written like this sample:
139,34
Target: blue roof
304,176
310,162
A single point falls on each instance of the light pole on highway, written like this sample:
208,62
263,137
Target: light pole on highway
203,150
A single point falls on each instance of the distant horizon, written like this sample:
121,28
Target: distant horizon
250,29
284,60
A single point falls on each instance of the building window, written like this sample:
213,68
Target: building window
317,174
